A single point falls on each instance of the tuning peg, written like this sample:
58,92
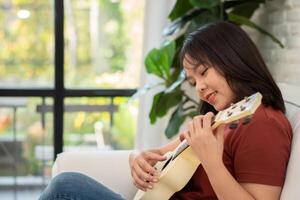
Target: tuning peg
233,125
246,99
246,121
229,113
242,107
232,106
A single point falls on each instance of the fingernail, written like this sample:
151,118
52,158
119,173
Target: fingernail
150,186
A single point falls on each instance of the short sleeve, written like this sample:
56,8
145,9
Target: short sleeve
261,153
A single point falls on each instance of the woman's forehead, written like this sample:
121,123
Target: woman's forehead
189,60
192,62
189,63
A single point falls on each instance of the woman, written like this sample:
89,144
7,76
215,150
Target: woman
248,162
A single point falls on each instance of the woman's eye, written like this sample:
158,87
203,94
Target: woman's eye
203,72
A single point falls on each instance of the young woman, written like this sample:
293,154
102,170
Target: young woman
248,162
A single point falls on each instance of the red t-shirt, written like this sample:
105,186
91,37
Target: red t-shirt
254,153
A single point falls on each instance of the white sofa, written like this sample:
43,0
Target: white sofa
111,167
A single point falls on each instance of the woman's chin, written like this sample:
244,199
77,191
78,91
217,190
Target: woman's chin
219,107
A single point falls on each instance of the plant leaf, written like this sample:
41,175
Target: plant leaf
205,3
152,114
180,23
176,120
233,3
246,9
181,7
243,20
159,61
162,102
204,18
144,89
178,82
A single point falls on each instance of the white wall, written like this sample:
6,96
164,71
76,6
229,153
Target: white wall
282,18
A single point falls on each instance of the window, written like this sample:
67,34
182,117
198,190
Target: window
65,84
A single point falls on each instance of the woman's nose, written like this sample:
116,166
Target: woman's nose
200,86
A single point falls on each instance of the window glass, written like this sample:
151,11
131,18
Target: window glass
103,43
99,123
26,142
26,44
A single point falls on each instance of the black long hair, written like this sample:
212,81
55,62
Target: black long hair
228,48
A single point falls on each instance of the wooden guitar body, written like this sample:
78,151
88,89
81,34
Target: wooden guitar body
173,178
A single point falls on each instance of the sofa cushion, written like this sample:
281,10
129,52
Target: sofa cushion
291,96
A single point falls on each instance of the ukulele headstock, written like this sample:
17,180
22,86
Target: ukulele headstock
242,109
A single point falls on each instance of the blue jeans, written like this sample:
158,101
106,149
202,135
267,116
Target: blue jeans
76,186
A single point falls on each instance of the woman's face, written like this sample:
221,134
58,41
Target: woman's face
210,85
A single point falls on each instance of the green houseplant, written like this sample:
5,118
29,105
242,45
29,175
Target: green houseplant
186,16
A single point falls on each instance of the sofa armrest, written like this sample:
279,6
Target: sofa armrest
291,96
111,168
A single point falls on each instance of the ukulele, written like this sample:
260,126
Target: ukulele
182,163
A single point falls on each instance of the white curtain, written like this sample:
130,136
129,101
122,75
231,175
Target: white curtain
156,18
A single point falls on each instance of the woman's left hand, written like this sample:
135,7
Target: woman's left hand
206,143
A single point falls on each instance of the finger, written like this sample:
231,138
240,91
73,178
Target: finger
181,136
146,172
138,186
191,130
207,120
144,179
141,184
198,123
147,168
187,136
154,156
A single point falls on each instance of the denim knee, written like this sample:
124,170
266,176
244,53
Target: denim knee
62,185
67,181
76,186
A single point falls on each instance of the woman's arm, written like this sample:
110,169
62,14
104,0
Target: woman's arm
226,187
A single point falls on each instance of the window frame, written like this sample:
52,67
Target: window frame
59,92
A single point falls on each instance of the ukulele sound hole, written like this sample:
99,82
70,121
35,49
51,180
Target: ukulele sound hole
166,164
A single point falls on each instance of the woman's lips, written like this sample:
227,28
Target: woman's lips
211,98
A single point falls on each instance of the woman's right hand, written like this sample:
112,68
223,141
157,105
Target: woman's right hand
142,168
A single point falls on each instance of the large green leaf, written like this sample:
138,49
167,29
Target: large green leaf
245,21
233,3
204,18
162,102
176,120
178,82
205,3
246,9
152,114
159,61
180,23
144,89
180,8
